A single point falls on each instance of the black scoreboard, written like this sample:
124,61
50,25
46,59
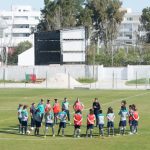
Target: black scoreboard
47,48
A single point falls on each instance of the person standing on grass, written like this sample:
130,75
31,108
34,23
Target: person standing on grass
90,122
123,104
41,109
47,106
96,108
24,119
62,116
123,119
78,105
110,120
49,121
135,120
101,123
65,106
19,116
32,115
130,118
56,110
38,120
77,123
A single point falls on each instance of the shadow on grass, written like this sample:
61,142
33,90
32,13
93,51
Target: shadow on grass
14,130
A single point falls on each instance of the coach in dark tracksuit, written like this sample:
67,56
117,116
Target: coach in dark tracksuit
96,108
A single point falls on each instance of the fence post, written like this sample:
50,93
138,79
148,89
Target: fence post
68,81
25,80
4,76
46,79
136,80
113,80
116,80
146,81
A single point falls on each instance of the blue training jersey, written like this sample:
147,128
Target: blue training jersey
41,108
101,118
24,114
65,105
123,114
62,116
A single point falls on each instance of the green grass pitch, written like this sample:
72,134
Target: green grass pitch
10,139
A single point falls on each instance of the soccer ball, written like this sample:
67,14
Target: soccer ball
32,128
28,132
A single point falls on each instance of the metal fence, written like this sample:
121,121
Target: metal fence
65,76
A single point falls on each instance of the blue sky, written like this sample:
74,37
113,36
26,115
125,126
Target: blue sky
136,5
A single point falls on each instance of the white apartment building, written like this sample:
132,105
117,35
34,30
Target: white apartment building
128,29
20,19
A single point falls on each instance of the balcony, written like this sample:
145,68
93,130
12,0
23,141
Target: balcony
21,30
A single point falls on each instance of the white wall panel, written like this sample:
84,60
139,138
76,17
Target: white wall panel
73,34
73,45
74,57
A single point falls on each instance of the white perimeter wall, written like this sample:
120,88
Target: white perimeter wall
77,71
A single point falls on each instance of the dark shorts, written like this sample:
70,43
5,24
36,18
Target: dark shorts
49,125
123,123
62,124
56,114
19,119
110,124
32,122
119,123
77,126
37,124
24,123
96,114
130,122
134,123
101,126
90,126
42,115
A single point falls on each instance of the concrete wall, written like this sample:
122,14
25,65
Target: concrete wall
26,58
76,71
108,73
138,72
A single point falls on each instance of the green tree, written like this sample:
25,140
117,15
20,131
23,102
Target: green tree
22,46
106,16
145,20
59,14
120,58
145,56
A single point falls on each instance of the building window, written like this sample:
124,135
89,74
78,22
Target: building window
120,34
36,18
7,18
130,19
128,35
21,26
20,34
21,17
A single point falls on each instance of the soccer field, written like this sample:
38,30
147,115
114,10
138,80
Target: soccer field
10,139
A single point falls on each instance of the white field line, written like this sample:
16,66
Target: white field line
7,109
126,98
72,113
119,100
6,119
41,138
